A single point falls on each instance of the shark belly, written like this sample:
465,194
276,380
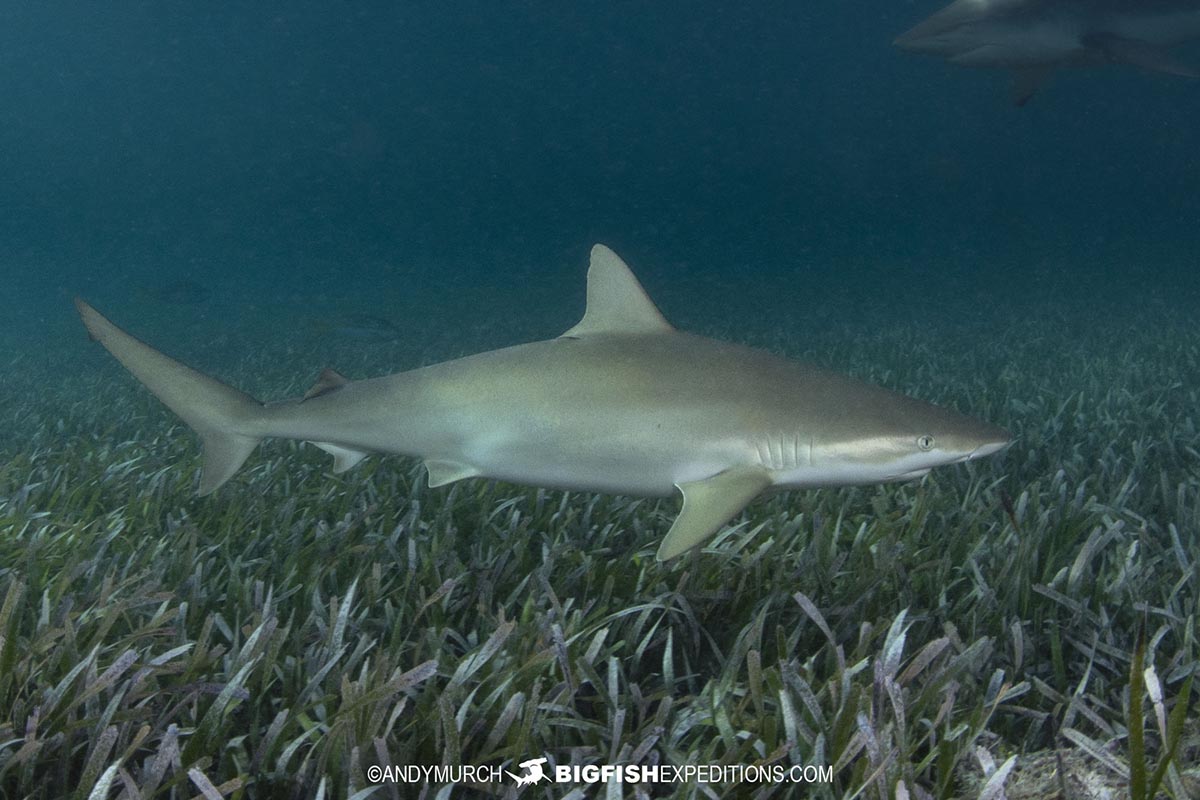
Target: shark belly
1018,46
599,416
535,414
570,455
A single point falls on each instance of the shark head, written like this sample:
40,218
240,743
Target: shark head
937,33
896,438
1001,33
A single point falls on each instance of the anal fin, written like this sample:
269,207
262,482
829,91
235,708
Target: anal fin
709,504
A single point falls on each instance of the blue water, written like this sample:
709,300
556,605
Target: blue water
293,154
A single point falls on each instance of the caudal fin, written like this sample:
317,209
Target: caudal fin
220,414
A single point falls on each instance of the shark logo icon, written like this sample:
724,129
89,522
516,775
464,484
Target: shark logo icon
534,774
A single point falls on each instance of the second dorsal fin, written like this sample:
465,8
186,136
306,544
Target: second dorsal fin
616,302
328,381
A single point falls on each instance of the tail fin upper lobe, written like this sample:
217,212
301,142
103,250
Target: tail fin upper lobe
220,414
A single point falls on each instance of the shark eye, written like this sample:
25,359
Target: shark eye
925,442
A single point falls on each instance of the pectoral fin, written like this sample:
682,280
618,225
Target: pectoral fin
709,504
1027,81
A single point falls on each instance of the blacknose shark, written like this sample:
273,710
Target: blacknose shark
621,403
1033,38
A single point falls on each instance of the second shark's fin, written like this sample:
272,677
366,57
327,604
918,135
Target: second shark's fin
1027,81
709,504
343,457
442,472
616,302
219,413
1138,53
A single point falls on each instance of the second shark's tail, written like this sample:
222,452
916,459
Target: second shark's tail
223,416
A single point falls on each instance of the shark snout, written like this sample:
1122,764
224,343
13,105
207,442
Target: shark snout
916,41
976,440
988,448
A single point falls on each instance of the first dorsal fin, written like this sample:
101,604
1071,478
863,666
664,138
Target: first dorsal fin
328,381
616,302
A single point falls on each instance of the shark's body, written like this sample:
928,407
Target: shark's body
1035,37
620,403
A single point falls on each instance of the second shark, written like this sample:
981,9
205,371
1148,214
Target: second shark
1033,38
